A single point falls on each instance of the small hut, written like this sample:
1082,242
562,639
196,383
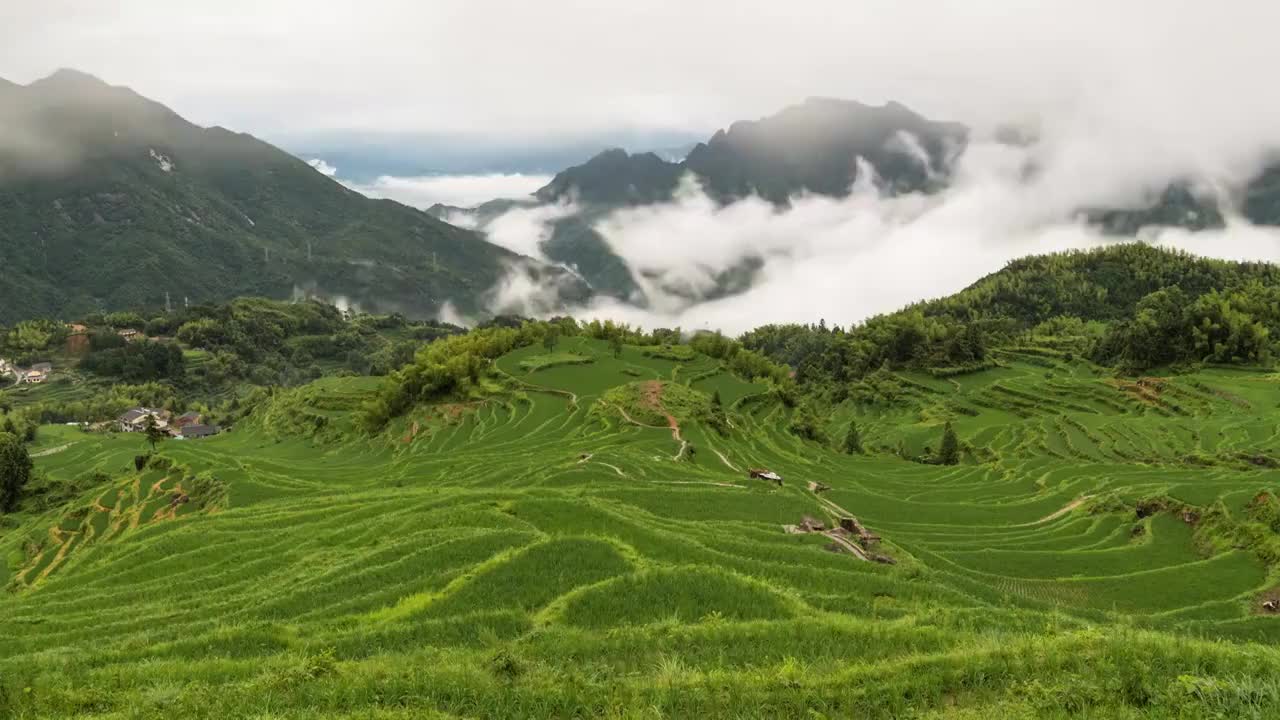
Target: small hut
763,474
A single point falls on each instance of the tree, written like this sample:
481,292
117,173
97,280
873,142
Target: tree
615,344
153,432
949,453
718,419
805,423
853,439
15,471
551,338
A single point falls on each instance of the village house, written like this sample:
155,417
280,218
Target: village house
77,328
197,431
135,420
187,418
129,334
37,374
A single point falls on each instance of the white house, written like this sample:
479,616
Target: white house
135,420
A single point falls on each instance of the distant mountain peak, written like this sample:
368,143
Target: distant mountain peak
615,176
70,77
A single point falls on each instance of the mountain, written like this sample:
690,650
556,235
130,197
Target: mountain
1262,197
809,147
109,200
813,147
615,178
1176,206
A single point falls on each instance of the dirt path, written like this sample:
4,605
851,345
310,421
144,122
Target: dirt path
51,451
1062,511
725,460
587,458
615,468
839,539
832,506
846,544
672,425
633,421
698,482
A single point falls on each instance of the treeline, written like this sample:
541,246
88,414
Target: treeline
139,361
32,341
450,364
1130,306
104,404
453,364
1169,327
266,342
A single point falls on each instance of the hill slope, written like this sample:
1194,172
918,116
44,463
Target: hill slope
576,538
109,200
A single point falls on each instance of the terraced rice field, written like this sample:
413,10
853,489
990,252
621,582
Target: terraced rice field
541,554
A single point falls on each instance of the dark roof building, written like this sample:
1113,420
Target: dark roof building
199,431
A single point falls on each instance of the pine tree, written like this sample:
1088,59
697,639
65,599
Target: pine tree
949,453
153,432
615,344
551,338
15,471
853,439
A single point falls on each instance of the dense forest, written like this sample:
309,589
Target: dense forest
205,356
1132,307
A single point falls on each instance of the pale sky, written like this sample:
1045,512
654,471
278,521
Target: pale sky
565,67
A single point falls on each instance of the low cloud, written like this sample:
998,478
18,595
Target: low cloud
323,167
457,190
846,259
521,229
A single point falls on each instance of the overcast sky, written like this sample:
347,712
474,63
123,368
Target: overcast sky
565,67
1125,96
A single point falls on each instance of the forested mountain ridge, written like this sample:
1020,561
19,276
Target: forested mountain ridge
109,201
1130,306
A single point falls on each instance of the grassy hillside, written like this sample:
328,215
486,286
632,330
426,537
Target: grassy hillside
570,535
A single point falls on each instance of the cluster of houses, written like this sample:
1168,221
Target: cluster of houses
33,375
40,372
188,426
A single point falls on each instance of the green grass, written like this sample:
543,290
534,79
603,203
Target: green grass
526,554
534,363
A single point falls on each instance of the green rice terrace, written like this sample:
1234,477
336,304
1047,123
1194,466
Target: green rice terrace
579,535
